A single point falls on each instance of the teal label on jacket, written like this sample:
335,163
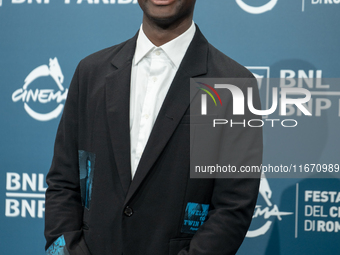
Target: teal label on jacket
58,247
86,171
195,216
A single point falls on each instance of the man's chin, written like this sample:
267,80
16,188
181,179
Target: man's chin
163,21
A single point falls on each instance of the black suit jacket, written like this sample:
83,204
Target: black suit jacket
145,216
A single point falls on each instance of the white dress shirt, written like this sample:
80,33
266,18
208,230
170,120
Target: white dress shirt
153,69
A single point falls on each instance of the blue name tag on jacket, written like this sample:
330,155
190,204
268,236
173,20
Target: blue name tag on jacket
195,215
86,170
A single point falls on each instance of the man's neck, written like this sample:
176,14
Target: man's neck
160,35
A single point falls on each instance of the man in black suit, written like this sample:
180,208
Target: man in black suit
120,186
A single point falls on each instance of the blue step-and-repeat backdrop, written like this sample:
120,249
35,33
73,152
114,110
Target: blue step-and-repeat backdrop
41,42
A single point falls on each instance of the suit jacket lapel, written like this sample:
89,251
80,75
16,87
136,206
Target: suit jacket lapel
174,106
117,107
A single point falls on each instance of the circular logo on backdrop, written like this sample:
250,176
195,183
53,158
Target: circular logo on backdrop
257,9
263,214
46,103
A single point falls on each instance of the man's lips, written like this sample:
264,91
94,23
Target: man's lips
162,2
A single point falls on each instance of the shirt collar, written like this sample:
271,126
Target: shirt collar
174,49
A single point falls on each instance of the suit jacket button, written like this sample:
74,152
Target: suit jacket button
128,211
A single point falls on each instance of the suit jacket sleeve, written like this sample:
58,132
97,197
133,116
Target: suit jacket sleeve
233,199
64,210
